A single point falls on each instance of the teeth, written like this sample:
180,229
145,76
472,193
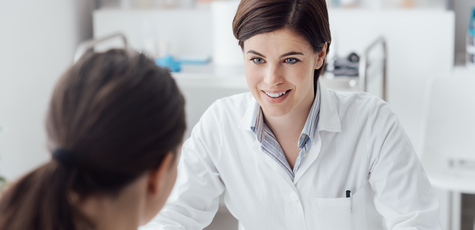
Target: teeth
275,94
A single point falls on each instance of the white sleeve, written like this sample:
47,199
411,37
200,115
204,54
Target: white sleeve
195,198
403,193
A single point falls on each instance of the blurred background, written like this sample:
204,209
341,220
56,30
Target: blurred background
397,49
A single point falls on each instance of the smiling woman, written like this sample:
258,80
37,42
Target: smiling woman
279,69
292,154
282,71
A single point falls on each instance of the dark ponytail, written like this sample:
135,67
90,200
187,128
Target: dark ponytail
113,116
38,201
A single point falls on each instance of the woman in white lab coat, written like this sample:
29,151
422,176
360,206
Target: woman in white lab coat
292,154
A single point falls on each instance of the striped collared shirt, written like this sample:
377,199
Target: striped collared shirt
269,143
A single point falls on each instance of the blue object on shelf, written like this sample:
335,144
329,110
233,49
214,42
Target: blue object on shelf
168,62
471,24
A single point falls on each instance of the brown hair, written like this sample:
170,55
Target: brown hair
113,116
308,18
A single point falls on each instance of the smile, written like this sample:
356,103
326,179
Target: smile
276,95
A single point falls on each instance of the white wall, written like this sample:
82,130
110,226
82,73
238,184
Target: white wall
420,47
37,42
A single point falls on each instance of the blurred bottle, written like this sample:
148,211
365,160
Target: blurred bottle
148,38
371,4
187,4
124,4
226,51
406,4
144,4
347,3
470,45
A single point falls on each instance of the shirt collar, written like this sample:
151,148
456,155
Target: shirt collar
312,121
257,122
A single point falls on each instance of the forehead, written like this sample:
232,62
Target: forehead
280,41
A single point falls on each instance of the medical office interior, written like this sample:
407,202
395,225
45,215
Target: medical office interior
418,55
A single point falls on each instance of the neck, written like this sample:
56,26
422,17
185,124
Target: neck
121,212
291,125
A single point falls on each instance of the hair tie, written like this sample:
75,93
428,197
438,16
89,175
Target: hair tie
64,157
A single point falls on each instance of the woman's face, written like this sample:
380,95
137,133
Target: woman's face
279,69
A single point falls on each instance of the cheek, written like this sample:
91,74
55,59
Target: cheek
302,78
253,77
307,74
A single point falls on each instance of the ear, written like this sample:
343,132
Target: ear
158,177
321,56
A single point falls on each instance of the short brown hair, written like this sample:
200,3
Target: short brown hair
308,18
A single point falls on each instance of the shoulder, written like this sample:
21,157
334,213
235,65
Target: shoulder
225,113
361,99
234,102
220,121
363,111
233,106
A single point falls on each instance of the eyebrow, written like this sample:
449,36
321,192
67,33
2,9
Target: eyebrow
255,52
283,55
291,53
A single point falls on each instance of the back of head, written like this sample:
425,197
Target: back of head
112,117
307,18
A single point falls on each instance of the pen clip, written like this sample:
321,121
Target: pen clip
349,195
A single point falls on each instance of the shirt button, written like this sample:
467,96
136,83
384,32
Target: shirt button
305,154
302,136
294,197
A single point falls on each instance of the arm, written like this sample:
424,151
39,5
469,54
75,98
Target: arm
403,193
195,198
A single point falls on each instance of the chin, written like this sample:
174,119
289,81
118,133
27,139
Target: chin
275,111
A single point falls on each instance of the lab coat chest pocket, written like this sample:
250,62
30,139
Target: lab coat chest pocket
336,214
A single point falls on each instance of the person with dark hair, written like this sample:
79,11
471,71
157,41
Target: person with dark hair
292,154
115,125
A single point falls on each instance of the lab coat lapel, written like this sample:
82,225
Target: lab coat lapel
309,159
274,165
329,117
247,118
329,121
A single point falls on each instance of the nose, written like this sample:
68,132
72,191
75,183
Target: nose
273,76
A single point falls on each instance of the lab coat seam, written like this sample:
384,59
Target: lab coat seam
392,126
367,138
221,141
210,113
202,143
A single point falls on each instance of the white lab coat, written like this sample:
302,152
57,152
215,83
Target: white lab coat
359,146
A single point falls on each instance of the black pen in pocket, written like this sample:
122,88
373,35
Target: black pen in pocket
349,195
